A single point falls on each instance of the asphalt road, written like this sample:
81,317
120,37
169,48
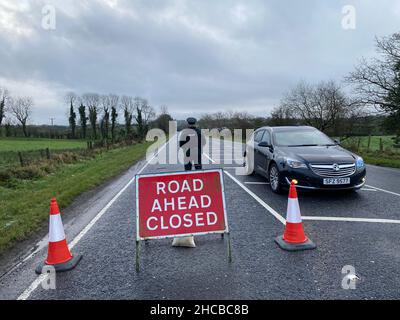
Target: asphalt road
359,229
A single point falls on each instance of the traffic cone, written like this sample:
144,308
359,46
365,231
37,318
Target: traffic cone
293,238
58,254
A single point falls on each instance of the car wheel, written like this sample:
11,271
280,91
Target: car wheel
248,166
274,178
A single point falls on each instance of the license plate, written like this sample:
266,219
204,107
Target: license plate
336,181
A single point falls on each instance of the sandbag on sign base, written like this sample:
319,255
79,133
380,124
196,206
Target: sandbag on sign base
184,242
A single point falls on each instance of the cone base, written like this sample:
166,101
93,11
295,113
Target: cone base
66,266
307,245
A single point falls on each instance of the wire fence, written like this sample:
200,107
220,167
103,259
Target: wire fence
9,159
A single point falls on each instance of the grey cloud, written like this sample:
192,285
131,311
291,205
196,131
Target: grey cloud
194,56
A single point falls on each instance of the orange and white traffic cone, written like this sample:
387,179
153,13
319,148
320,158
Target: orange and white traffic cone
58,254
293,238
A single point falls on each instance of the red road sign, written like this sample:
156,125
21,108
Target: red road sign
180,203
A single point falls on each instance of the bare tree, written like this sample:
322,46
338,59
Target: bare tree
319,106
128,107
376,82
147,111
162,121
92,101
4,97
164,109
105,122
71,99
114,100
144,113
21,107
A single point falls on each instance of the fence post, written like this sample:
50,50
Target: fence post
48,153
358,144
380,144
369,142
21,160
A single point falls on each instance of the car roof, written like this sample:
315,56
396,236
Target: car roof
285,128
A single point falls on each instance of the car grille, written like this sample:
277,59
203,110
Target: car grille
334,170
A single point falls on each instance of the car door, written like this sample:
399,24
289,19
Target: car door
257,155
265,153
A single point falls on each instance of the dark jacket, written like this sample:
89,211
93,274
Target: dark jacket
192,141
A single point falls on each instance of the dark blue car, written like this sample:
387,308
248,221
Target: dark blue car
305,154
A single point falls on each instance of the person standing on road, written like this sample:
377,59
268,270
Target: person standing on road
191,141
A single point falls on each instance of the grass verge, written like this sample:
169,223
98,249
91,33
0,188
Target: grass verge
381,159
24,208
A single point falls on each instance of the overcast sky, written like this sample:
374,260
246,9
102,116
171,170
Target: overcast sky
193,56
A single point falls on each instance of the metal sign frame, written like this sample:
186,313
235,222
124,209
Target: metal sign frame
222,232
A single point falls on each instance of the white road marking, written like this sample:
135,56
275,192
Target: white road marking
383,190
366,189
257,198
25,295
347,219
255,182
208,157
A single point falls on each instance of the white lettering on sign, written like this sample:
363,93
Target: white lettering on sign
156,206
188,220
148,223
174,186
181,203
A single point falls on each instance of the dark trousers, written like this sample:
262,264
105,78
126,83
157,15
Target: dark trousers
190,165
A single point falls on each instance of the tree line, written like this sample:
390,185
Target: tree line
100,117
96,116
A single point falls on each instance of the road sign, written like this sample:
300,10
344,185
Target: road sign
180,204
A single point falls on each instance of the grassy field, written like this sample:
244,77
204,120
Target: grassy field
11,149
388,157
24,207
21,144
387,143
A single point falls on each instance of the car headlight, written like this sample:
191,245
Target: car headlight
360,163
295,164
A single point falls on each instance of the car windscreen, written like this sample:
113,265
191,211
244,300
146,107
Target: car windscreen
301,137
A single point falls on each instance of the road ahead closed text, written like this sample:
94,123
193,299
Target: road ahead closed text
180,203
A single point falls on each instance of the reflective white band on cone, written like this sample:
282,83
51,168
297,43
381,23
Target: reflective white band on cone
56,232
293,211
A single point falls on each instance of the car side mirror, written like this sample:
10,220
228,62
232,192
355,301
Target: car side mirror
264,144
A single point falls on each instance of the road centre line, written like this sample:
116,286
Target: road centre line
25,295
